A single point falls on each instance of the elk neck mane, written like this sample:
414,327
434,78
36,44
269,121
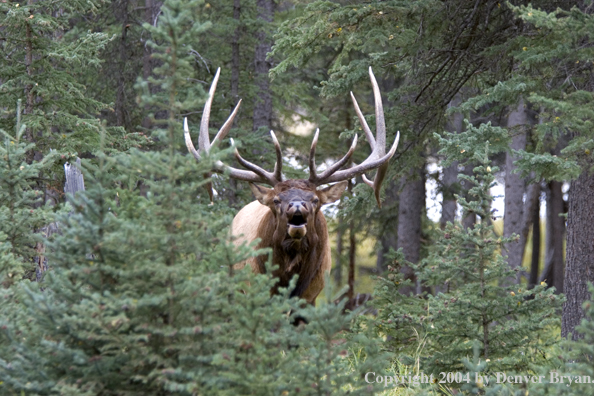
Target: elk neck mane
294,257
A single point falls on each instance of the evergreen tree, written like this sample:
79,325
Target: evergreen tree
21,205
470,305
126,57
43,64
144,300
577,356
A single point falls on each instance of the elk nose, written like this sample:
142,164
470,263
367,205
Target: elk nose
297,205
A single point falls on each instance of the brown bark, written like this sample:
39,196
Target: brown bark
555,235
235,59
410,211
120,102
147,65
450,174
337,271
388,225
514,219
450,187
535,259
263,103
352,259
580,250
30,98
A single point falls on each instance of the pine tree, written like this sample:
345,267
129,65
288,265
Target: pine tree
144,300
470,304
577,361
21,205
44,62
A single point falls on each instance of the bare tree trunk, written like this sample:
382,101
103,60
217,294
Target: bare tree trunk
535,259
230,192
30,97
580,250
147,64
74,183
263,105
352,257
235,59
120,102
337,271
410,211
515,188
388,225
450,174
554,268
450,187
555,234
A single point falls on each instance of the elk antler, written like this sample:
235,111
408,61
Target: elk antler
254,173
377,159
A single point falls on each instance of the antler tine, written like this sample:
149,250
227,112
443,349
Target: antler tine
368,164
380,136
313,176
226,126
278,166
378,159
263,175
203,138
188,139
340,163
255,174
363,122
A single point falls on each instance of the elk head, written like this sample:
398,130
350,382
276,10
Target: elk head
378,159
295,204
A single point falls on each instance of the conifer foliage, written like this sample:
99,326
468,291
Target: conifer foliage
42,61
577,354
471,303
21,205
143,298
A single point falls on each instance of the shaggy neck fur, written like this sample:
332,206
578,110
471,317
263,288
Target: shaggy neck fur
294,256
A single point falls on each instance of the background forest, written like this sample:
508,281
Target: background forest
127,287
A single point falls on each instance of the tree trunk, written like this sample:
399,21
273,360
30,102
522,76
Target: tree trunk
337,271
235,57
388,226
120,102
410,211
352,257
147,64
555,235
580,250
535,259
263,104
450,185
515,188
30,97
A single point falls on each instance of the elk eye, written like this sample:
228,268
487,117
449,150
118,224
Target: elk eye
315,201
276,201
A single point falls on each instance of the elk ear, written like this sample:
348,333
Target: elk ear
332,193
262,194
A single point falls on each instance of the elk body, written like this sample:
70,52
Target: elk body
287,217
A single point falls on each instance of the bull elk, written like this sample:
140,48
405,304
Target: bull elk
287,217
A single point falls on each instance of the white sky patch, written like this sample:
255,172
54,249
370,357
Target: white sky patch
434,198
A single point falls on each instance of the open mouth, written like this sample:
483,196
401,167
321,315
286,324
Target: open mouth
297,220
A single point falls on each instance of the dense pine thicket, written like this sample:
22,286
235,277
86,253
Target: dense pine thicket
136,293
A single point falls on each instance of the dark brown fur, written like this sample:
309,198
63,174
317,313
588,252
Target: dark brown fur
302,257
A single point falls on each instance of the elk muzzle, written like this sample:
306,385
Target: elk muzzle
297,214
